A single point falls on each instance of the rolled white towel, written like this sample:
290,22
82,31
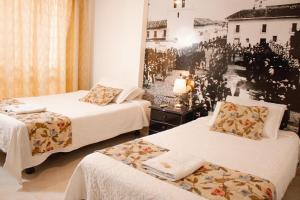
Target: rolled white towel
25,108
173,165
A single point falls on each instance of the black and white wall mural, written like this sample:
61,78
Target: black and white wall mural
248,48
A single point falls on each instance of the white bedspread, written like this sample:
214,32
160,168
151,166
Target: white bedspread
100,177
90,124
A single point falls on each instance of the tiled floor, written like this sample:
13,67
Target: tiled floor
51,177
293,192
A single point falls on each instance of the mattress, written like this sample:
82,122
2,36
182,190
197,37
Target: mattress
90,124
100,177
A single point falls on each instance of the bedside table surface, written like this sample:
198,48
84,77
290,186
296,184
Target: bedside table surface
182,111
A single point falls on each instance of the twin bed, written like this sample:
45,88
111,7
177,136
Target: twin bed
235,167
113,173
90,124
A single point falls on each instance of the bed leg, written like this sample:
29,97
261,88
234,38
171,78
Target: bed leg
144,131
30,170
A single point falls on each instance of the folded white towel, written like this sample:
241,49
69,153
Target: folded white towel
173,165
25,108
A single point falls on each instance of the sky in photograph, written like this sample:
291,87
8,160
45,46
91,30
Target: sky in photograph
213,9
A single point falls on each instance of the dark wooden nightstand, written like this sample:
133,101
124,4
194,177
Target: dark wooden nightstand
169,117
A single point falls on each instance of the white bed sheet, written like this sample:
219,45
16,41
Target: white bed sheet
90,124
101,177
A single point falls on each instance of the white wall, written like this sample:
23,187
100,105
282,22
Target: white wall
119,41
252,29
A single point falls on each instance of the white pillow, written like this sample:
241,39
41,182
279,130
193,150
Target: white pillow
137,94
129,94
274,118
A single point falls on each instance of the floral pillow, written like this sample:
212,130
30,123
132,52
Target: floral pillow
101,95
244,121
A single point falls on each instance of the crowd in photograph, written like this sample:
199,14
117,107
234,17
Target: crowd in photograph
158,64
206,62
213,59
270,70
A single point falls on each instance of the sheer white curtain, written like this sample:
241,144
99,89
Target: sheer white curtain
39,42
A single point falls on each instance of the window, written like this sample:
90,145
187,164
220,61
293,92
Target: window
177,14
247,40
155,34
294,27
264,28
263,40
165,33
177,3
275,38
237,28
236,41
148,34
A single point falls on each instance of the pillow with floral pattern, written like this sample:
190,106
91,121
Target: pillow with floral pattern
101,95
244,121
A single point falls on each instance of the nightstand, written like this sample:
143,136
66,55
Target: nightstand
162,119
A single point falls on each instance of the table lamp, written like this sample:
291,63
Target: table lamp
179,89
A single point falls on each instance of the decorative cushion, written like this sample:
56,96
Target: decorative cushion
101,95
273,121
244,121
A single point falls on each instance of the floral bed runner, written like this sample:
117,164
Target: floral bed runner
210,181
47,130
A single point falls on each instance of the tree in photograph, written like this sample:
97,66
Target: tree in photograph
295,44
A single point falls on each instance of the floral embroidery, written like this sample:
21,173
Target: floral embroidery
269,193
47,131
210,181
101,95
147,150
218,192
244,121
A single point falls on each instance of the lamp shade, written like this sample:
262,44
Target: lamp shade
179,86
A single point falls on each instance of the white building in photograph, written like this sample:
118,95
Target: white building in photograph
157,30
268,23
157,34
183,27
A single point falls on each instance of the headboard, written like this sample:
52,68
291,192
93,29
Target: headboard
285,119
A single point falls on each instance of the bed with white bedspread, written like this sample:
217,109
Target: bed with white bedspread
101,177
90,124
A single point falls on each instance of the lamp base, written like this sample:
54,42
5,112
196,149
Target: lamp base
178,105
